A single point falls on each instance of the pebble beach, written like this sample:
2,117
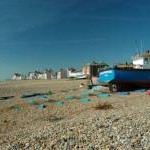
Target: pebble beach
71,124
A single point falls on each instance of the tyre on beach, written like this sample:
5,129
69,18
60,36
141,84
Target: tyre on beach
113,87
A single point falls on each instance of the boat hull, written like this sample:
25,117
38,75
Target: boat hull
124,79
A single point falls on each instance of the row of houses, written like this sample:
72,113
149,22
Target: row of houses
36,75
90,69
139,61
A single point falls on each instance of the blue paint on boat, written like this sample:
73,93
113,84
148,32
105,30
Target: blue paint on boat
107,76
124,78
130,75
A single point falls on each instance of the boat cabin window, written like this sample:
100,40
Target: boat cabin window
146,59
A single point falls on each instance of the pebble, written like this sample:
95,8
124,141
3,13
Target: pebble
90,130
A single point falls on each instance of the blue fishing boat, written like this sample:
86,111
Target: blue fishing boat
125,79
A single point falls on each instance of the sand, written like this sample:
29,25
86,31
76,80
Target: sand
22,122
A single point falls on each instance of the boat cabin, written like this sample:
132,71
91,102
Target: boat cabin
141,60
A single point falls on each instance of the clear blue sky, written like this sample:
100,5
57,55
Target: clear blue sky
38,34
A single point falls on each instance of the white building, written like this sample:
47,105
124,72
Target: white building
62,73
42,76
31,76
39,76
17,76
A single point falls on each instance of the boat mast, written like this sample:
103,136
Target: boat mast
141,46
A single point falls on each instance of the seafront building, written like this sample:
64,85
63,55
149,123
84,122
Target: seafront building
18,76
92,69
36,75
61,74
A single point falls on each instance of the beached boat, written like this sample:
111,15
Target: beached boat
125,79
